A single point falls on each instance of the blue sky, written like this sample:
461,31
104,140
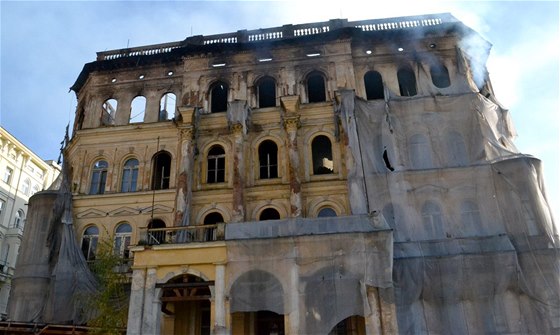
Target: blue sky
44,46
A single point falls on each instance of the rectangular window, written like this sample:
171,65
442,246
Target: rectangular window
2,203
7,175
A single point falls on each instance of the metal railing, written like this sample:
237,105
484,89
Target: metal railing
283,32
179,235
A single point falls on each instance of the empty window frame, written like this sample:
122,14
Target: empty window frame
109,110
420,152
167,106
89,242
269,214
321,153
18,219
123,234
326,212
440,75
374,85
129,175
161,170
266,92
268,160
432,219
98,177
212,219
137,109
316,87
218,97
7,177
158,236
216,165
407,82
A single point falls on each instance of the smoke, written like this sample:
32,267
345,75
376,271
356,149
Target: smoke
476,49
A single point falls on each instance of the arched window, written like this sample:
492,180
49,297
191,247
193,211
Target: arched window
129,175
321,152
122,240
420,152
216,165
268,160
456,150
98,177
266,92
269,214
167,106
89,242
432,219
326,212
470,216
440,75
26,186
18,219
158,236
162,170
407,82
218,97
109,108
374,85
137,109
316,88
212,219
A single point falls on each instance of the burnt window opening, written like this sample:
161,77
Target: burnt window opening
386,161
268,160
440,75
130,176
326,212
161,171
321,152
212,219
374,86
316,89
218,97
109,110
89,243
269,214
266,92
167,106
216,165
158,236
407,82
137,109
98,177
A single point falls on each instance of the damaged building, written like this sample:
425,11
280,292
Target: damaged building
334,177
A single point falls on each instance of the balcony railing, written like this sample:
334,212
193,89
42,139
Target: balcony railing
283,32
188,234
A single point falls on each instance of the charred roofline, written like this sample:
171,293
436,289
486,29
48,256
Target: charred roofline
340,29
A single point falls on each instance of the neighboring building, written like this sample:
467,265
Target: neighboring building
23,174
324,178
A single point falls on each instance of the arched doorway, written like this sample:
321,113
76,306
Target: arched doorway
185,300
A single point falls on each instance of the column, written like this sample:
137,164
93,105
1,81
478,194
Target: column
293,319
373,321
185,177
291,119
136,305
220,327
388,311
238,171
150,317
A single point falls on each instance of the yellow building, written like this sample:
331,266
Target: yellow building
325,178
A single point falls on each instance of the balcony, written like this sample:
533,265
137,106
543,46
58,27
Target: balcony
181,235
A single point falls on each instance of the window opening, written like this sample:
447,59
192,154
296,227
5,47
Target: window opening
137,109
268,160
440,75
109,111
266,92
98,177
162,170
432,219
167,106
374,85
322,155
316,87
156,237
2,204
267,322
26,186
218,97
407,82
212,219
420,152
7,178
326,212
130,175
122,240
89,243
18,219
269,214
386,161
350,325
216,165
